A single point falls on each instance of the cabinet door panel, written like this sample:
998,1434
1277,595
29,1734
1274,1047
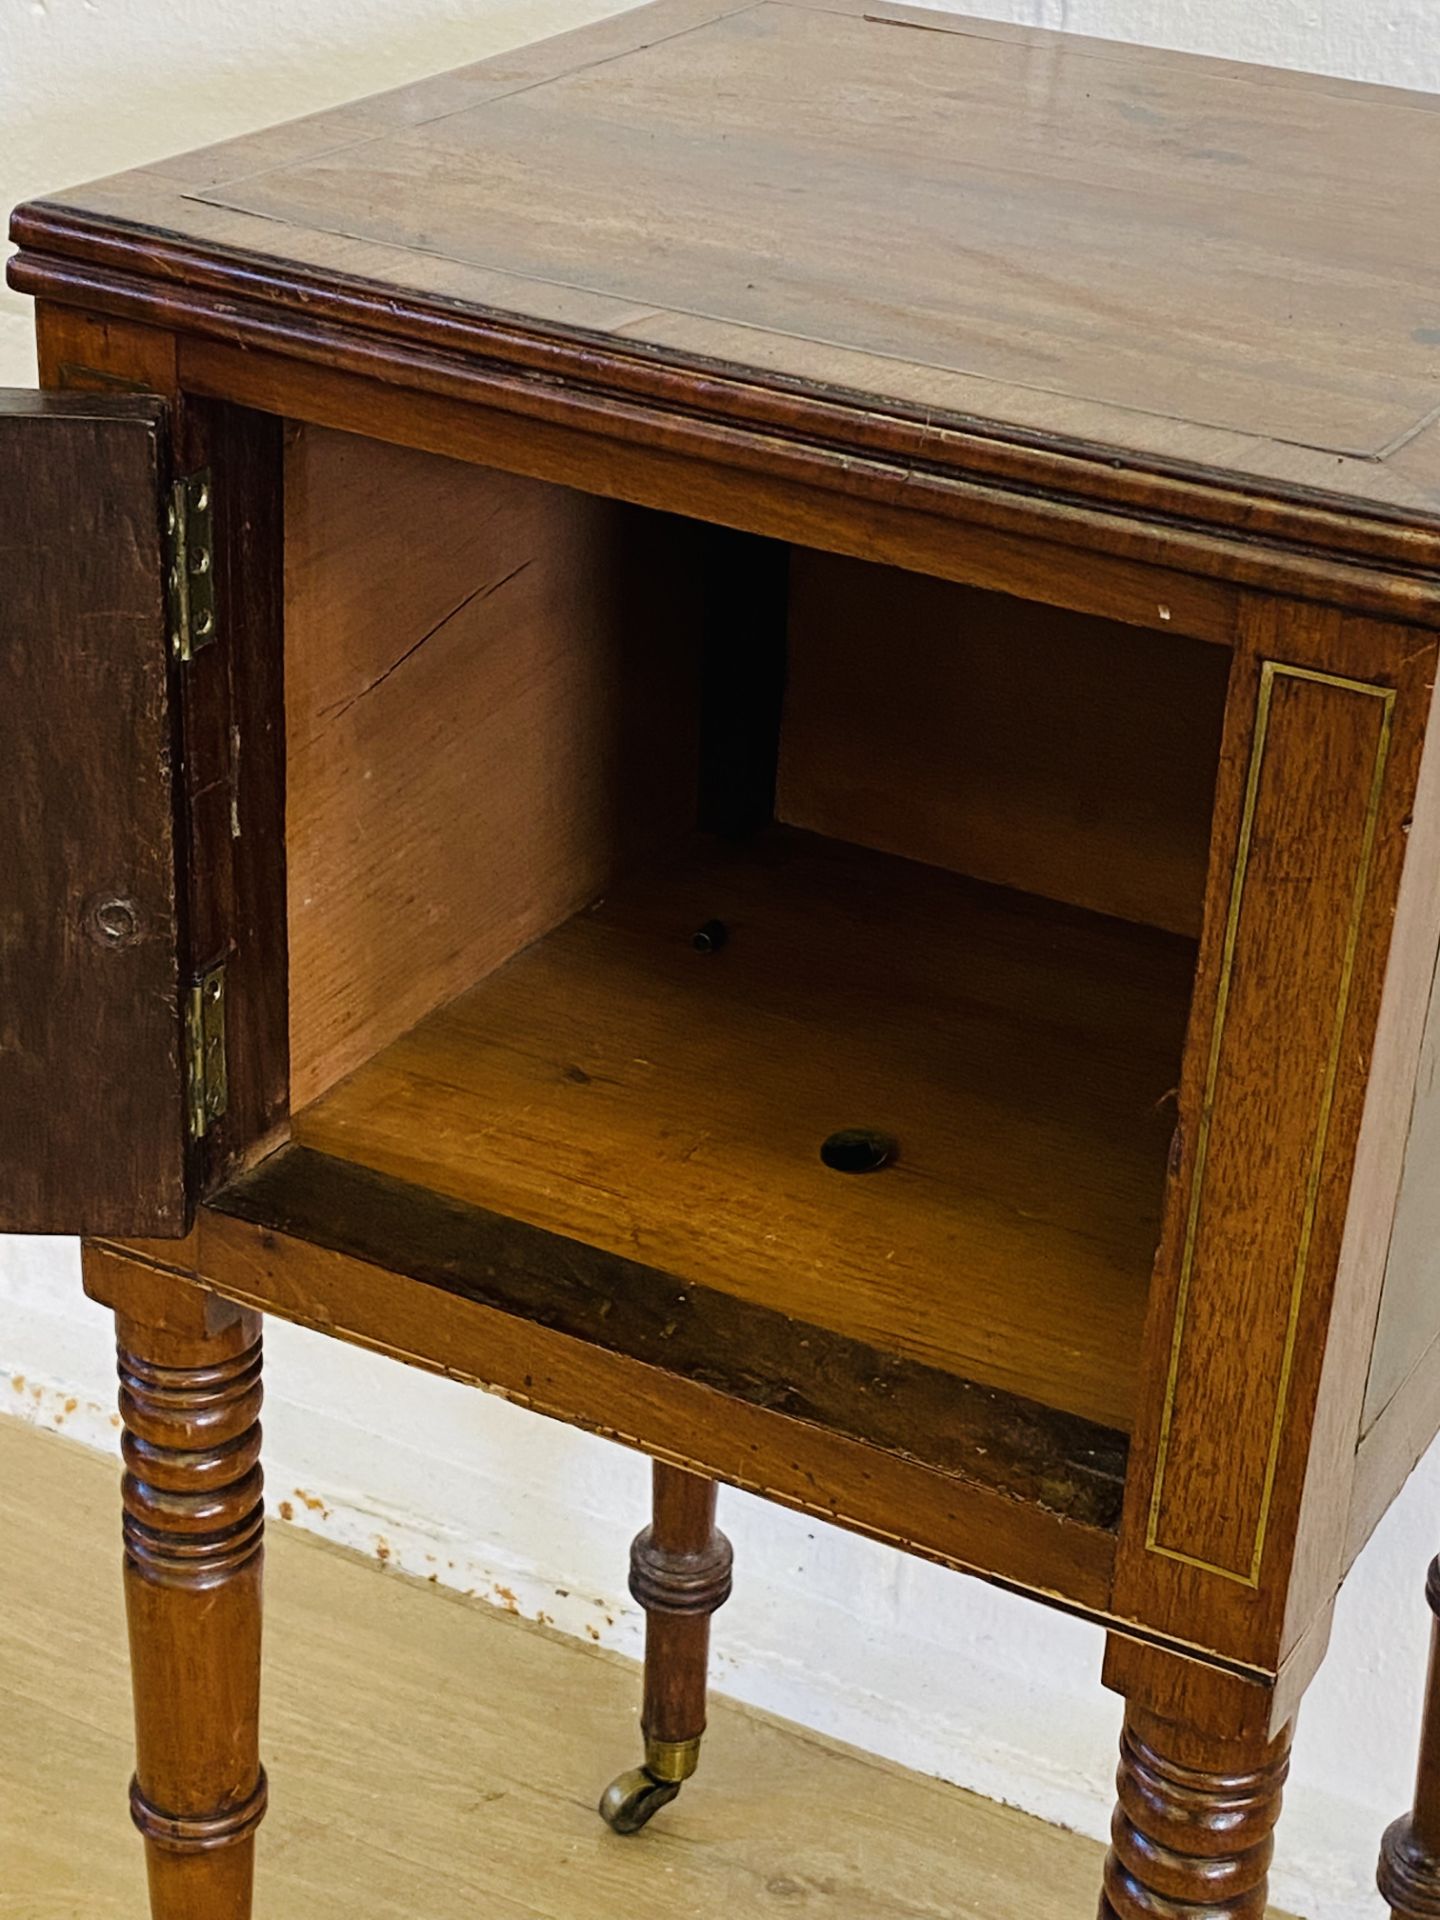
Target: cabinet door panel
92,1108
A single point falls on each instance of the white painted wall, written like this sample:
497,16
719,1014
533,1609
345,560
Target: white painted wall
934,1670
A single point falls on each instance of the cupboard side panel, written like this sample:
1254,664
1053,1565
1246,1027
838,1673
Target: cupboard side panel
1408,1325
491,707
1251,1365
1398,1322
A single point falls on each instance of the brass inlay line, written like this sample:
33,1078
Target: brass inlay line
1270,671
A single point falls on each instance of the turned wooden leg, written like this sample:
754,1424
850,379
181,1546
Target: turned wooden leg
680,1573
1409,1875
1192,1834
190,1401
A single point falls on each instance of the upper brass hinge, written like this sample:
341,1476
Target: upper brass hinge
190,583
207,1089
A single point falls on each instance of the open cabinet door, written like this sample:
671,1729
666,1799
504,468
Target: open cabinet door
93,1123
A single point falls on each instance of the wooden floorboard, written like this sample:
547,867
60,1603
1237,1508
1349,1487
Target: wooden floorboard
431,1759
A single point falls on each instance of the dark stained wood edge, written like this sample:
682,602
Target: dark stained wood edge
235,731
230,755
1009,1543
26,403
1267,534
1005,1542
92,1075
620,454
1066,1466
49,235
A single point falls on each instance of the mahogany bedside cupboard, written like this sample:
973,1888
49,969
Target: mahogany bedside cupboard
728,725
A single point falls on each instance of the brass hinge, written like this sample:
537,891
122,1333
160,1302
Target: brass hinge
207,1090
190,524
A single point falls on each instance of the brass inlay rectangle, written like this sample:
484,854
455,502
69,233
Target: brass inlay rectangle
1270,672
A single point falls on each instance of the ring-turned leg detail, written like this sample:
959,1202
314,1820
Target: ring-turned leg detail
190,1402
1192,1838
1409,1875
680,1572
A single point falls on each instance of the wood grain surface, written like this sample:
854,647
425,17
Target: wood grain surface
695,173
1294,919
1233,328
193,1528
674,1334
1258,1341
92,1102
229,760
616,1087
491,705
1008,1511
1061,755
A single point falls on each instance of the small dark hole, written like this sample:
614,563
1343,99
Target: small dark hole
711,937
858,1150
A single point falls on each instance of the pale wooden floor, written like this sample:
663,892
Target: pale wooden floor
431,1759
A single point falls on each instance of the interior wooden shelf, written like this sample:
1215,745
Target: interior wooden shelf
615,1086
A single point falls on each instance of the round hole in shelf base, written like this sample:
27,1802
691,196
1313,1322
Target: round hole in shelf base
859,1150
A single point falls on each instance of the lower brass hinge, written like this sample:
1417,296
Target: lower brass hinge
207,1091
190,582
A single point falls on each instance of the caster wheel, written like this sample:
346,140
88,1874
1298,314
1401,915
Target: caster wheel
629,1802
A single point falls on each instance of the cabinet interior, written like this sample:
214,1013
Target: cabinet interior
957,844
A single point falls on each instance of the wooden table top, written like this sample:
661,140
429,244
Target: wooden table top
1212,270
